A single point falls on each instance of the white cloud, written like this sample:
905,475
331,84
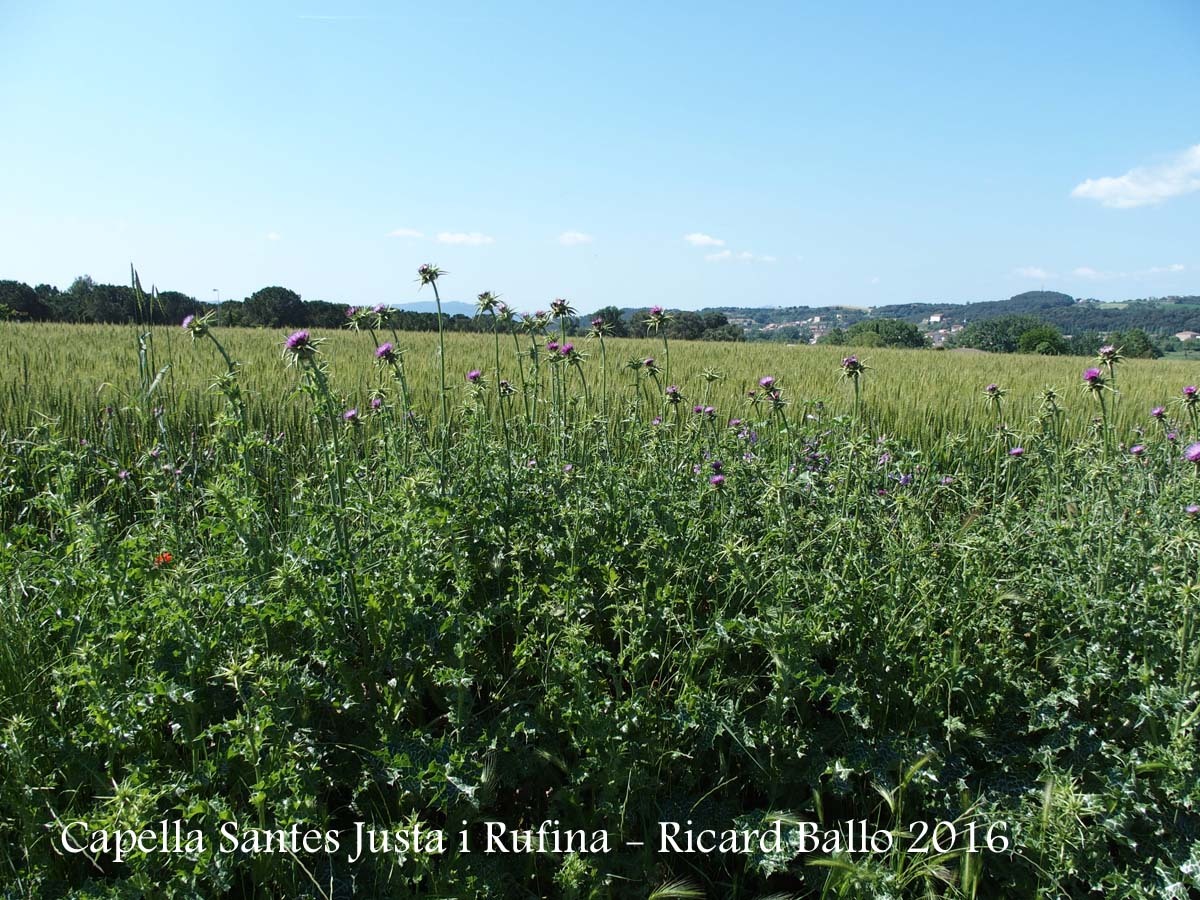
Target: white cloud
1147,185
405,233
720,255
465,238
273,235
574,238
1097,275
696,239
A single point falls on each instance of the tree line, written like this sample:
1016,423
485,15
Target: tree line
279,307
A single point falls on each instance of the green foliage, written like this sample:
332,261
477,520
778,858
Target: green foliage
1000,335
274,307
884,333
834,337
1044,339
541,608
1135,344
23,301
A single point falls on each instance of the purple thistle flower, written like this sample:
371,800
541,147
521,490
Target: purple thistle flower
351,416
657,420
1172,436
656,310
717,466
1158,412
187,322
568,469
735,423
1092,376
648,362
123,475
552,346
1108,351
567,349
1192,453
992,390
766,382
717,481
710,412
905,480
673,394
386,352
1017,452
852,368
947,479
351,312
298,342
1189,394
1192,510
597,323
1137,450
376,403
474,376
379,309
697,409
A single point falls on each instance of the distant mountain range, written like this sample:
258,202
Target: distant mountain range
1157,315
449,308
1161,315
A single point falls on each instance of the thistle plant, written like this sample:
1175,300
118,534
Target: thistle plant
428,274
656,322
1094,383
994,395
853,369
200,327
300,351
1190,398
598,331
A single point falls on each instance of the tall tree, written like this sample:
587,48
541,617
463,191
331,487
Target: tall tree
23,301
274,307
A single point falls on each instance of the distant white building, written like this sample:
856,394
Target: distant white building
1187,335
935,319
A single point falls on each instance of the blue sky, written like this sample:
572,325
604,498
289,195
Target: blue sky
691,154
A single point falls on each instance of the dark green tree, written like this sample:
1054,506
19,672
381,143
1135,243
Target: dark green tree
999,335
835,337
888,333
274,307
1044,339
23,301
